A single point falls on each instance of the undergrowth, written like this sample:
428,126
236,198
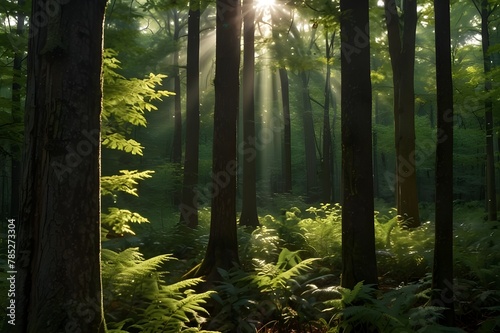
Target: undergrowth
289,279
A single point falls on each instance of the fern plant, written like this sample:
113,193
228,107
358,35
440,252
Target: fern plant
136,297
404,309
125,102
272,295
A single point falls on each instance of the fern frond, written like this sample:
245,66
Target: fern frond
119,142
119,219
125,182
282,279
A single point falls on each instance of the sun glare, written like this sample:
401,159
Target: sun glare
264,4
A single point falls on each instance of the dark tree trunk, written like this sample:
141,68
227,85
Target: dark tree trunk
376,186
402,53
17,115
222,250
287,131
442,274
309,140
491,195
176,157
249,215
326,168
58,265
189,203
285,101
358,235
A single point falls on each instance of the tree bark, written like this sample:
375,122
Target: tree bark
312,190
491,196
358,235
17,115
287,131
249,215
189,201
176,157
222,250
58,257
285,101
326,168
402,53
442,274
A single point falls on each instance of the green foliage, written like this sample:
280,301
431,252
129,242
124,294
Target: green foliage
404,255
125,182
477,252
273,292
125,103
262,243
276,276
117,219
398,310
287,228
137,299
323,232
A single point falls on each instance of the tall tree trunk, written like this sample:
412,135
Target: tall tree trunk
376,186
287,131
326,173
285,101
249,215
189,203
336,196
358,234
17,115
491,195
309,139
442,274
176,157
402,53
58,253
222,250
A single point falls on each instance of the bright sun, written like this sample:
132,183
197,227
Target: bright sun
264,3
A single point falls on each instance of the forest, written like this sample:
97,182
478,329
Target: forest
308,166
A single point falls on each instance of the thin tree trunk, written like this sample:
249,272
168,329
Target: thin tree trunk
491,195
285,101
287,131
327,135
58,286
376,186
358,234
249,215
189,203
442,274
309,139
176,157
